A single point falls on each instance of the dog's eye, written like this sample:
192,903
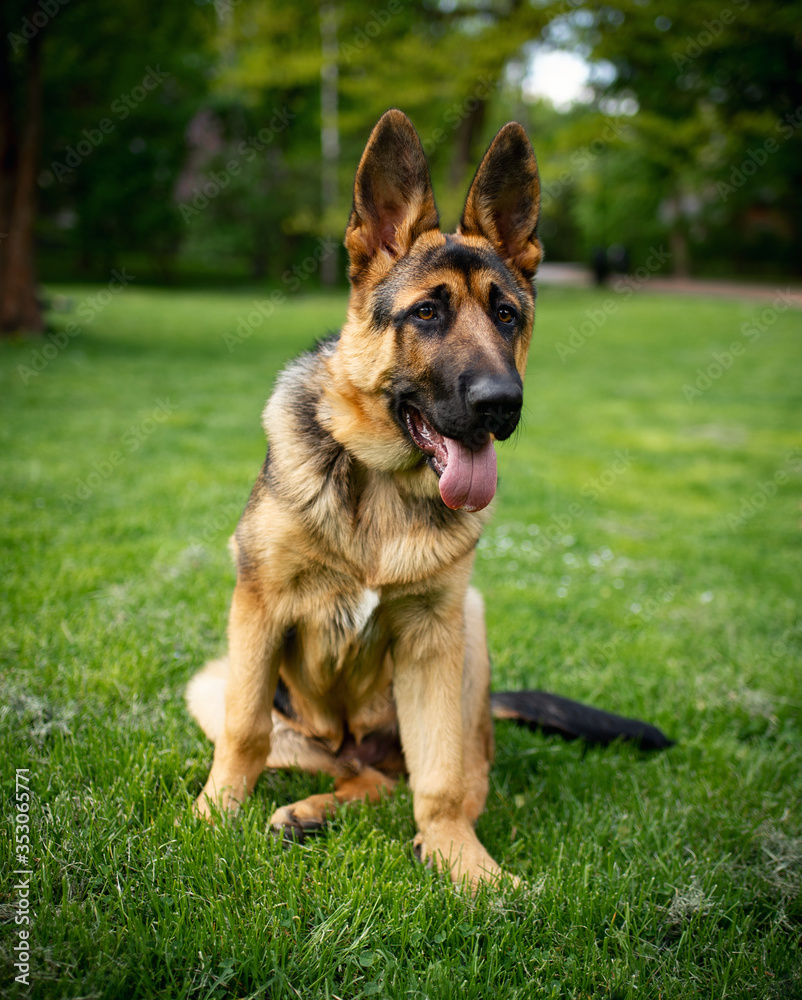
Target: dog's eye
425,312
505,314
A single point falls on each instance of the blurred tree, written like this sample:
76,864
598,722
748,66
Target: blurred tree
122,82
93,104
719,91
444,64
222,135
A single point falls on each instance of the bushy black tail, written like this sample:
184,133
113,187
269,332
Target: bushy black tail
552,713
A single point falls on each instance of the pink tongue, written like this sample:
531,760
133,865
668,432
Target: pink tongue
469,478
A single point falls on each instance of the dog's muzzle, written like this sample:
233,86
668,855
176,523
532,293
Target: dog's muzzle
465,459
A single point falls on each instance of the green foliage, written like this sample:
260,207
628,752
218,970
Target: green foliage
242,195
443,66
719,130
696,138
668,876
122,82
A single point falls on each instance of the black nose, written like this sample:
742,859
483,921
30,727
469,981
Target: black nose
496,401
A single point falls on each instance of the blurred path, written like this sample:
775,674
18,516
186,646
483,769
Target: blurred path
564,273
579,276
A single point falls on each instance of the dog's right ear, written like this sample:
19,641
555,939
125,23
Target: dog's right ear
393,199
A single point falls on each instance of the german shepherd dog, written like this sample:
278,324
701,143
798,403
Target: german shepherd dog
356,643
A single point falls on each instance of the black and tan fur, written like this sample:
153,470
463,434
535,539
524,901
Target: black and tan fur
356,643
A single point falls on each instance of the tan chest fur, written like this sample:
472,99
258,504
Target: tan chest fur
330,577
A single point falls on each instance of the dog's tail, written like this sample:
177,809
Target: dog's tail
552,713
206,697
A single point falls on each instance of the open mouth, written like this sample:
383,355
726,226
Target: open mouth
467,476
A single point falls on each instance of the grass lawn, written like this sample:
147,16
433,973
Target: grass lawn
644,557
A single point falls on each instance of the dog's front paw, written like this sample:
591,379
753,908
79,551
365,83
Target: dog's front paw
214,809
460,853
294,823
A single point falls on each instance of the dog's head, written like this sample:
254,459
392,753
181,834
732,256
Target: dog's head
434,349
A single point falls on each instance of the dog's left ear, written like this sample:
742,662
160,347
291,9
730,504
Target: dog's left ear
503,203
393,199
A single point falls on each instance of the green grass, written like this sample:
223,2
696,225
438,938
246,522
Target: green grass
614,573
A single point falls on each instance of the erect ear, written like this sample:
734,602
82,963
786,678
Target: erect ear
503,203
393,200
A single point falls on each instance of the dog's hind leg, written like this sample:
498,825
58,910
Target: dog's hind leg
205,697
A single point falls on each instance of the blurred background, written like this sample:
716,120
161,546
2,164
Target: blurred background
199,142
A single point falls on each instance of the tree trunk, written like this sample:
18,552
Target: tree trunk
678,241
8,150
20,309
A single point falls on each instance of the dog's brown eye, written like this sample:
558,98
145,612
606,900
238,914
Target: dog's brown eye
424,312
505,314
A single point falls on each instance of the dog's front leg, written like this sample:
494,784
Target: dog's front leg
255,643
429,660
